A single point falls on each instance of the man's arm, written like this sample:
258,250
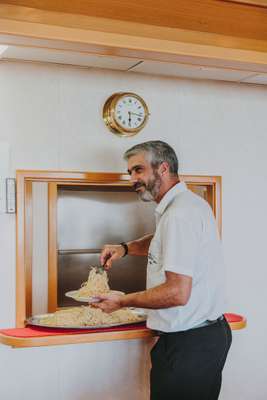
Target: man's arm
174,292
112,252
139,247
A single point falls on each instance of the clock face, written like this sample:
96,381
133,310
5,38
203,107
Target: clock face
129,112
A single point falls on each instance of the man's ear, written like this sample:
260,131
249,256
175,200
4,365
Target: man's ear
163,168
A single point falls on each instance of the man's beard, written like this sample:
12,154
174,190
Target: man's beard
152,188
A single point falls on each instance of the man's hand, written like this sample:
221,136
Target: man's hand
110,253
109,303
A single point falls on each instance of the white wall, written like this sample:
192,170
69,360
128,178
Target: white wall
51,118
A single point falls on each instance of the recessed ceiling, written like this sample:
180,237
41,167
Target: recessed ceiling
190,71
66,57
3,49
84,59
262,3
258,79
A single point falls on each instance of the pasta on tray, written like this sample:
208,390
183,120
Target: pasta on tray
88,316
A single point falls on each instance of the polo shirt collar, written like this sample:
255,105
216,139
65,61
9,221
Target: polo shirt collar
169,196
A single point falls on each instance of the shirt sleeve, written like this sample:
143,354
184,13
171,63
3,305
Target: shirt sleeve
180,243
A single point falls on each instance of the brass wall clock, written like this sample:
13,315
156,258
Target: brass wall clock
125,113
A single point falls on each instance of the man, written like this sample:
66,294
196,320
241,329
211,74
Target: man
184,295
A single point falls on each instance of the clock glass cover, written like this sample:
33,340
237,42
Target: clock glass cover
129,112
125,113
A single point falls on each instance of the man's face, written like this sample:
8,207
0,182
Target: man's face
146,181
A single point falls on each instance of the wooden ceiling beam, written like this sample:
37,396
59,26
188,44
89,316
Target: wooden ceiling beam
213,16
22,26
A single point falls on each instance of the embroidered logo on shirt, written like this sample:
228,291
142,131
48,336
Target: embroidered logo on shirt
152,259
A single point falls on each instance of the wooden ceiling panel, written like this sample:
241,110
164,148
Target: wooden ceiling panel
215,16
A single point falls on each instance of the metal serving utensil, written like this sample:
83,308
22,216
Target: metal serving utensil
100,269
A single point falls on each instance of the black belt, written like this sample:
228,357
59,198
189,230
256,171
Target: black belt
208,322
201,325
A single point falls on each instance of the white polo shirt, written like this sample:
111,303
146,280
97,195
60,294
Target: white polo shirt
186,242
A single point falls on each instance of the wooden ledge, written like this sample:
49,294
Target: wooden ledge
18,342
235,321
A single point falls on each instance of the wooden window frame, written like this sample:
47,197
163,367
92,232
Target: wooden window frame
24,228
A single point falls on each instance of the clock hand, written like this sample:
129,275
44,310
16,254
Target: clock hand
130,119
139,115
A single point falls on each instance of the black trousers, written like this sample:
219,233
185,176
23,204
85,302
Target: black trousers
188,365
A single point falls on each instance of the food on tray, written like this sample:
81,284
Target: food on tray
89,316
96,284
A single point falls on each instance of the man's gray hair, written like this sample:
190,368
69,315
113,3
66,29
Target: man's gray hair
158,152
